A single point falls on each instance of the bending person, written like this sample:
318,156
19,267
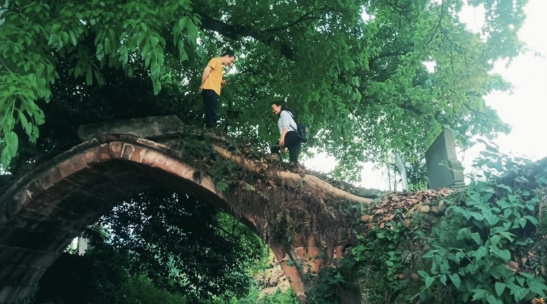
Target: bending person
287,129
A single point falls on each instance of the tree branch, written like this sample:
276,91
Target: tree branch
236,31
305,17
294,180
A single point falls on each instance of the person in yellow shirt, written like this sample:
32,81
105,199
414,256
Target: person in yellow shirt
211,84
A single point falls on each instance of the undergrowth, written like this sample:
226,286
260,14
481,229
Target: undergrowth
487,248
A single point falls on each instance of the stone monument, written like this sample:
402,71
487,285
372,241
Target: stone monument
443,168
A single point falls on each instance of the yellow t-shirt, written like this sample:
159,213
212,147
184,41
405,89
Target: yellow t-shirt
215,76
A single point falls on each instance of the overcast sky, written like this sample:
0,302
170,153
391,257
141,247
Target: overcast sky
526,108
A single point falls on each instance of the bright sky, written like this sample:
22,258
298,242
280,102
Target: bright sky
525,110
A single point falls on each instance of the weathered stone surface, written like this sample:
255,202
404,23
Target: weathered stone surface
443,168
149,127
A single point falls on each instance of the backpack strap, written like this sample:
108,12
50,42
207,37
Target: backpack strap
295,121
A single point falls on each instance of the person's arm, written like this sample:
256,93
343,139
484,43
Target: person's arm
205,75
285,123
282,139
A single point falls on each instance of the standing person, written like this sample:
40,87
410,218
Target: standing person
211,83
287,129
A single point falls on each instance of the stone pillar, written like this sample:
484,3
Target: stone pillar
443,168
289,269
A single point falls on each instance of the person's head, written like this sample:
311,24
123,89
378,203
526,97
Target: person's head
277,107
228,57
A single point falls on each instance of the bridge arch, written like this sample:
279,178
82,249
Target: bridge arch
45,209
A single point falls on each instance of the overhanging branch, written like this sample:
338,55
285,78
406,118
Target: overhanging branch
237,31
294,180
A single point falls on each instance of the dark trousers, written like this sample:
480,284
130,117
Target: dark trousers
210,100
292,142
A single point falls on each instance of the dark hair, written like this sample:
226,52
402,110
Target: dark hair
281,104
228,52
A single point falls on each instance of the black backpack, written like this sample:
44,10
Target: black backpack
301,130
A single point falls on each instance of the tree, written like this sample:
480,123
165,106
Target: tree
184,245
355,71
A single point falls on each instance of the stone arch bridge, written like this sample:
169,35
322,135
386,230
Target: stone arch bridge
43,210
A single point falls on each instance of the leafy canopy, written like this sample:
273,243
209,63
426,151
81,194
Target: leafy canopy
354,71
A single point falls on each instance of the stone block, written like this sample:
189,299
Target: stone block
149,127
127,151
443,168
78,162
115,149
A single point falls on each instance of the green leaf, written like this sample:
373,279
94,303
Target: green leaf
443,279
89,76
72,38
492,219
477,238
12,143
500,287
507,235
491,299
430,253
477,216
455,278
423,274
537,286
222,186
6,158
494,240
503,186
479,294
429,281
25,123
481,252
532,220
520,294
505,255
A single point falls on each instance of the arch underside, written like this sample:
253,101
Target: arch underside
44,210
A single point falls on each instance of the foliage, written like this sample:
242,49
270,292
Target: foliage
175,239
327,287
416,174
486,247
483,249
140,289
379,257
90,37
253,297
278,297
126,273
73,278
97,277
370,94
